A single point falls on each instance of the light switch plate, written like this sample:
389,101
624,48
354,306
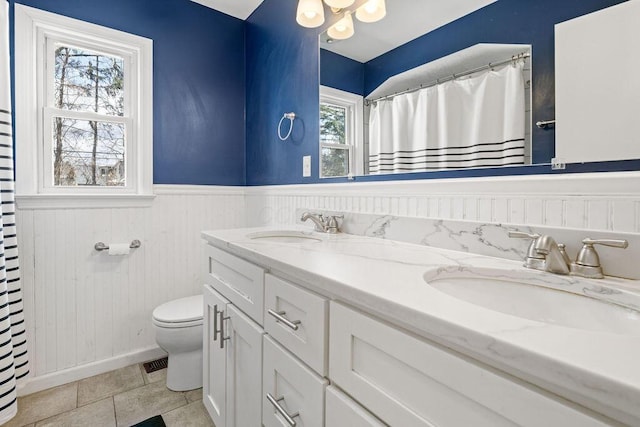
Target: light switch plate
306,166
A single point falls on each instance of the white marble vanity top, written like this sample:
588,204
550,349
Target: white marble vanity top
600,370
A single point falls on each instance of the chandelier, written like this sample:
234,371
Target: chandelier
310,14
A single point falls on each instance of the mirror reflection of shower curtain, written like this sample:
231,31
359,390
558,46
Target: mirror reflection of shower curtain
477,121
14,363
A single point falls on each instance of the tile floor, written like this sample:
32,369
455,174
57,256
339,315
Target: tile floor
118,398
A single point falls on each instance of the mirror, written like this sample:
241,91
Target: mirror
384,58
470,109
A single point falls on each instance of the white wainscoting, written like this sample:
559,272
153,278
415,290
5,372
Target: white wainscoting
88,312
594,201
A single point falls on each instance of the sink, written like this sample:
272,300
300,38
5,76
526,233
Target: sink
285,236
558,300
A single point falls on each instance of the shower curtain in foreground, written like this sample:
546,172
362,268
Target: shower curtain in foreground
14,364
471,122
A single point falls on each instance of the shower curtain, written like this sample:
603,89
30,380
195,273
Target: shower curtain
471,122
14,364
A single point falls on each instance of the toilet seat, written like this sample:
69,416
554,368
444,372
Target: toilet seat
180,313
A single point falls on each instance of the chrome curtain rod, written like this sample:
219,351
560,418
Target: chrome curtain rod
514,58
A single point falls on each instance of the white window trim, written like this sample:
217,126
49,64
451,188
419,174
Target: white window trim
354,105
31,27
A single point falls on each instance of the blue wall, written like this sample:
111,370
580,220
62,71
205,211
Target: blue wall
342,73
199,82
282,76
288,68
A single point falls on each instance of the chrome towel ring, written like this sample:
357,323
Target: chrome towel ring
291,116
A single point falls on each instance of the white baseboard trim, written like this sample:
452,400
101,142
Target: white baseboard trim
54,379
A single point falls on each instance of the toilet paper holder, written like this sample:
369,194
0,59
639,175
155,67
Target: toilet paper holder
100,246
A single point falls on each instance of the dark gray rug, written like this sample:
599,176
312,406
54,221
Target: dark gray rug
156,421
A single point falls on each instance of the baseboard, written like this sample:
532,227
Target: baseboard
76,373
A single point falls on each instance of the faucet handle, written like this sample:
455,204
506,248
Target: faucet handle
523,235
588,255
532,253
614,243
533,259
332,223
588,262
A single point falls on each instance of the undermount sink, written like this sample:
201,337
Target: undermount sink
284,236
559,300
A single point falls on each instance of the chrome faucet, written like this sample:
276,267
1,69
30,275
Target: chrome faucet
556,258
544,253
322,224
547,255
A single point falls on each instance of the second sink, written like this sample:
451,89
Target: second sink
540,298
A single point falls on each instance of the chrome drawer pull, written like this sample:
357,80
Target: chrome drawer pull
279,315
215,322
288,418
221,331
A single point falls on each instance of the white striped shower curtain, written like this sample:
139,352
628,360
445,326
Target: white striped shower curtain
14,364
477,121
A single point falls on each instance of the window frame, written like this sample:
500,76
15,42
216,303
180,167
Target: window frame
36,35
353,105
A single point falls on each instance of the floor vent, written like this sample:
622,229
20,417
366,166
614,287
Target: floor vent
155,365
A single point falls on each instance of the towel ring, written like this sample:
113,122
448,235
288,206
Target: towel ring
291,116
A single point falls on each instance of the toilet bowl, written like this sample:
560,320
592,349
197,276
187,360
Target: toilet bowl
178,329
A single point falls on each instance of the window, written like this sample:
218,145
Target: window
89,89
340,133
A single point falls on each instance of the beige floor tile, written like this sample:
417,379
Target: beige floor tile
141,403
108,384
194,395
99,413
154,377
192,415
45,404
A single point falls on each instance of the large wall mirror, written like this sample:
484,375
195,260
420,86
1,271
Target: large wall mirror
418,91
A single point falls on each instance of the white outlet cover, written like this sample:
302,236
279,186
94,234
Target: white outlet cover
306,166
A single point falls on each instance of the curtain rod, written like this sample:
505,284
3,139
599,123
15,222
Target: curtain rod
454,76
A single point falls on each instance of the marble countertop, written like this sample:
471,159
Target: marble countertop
595,368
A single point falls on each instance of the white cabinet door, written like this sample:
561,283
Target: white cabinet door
244,370
290,389
214,357
343,411
407,381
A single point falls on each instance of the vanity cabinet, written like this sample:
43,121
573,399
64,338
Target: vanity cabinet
232,341
407,381
323,363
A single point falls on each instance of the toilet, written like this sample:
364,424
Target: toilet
178,329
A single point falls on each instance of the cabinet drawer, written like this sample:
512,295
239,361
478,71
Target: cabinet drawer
406,381
304,328
343,411
238,280
292,386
